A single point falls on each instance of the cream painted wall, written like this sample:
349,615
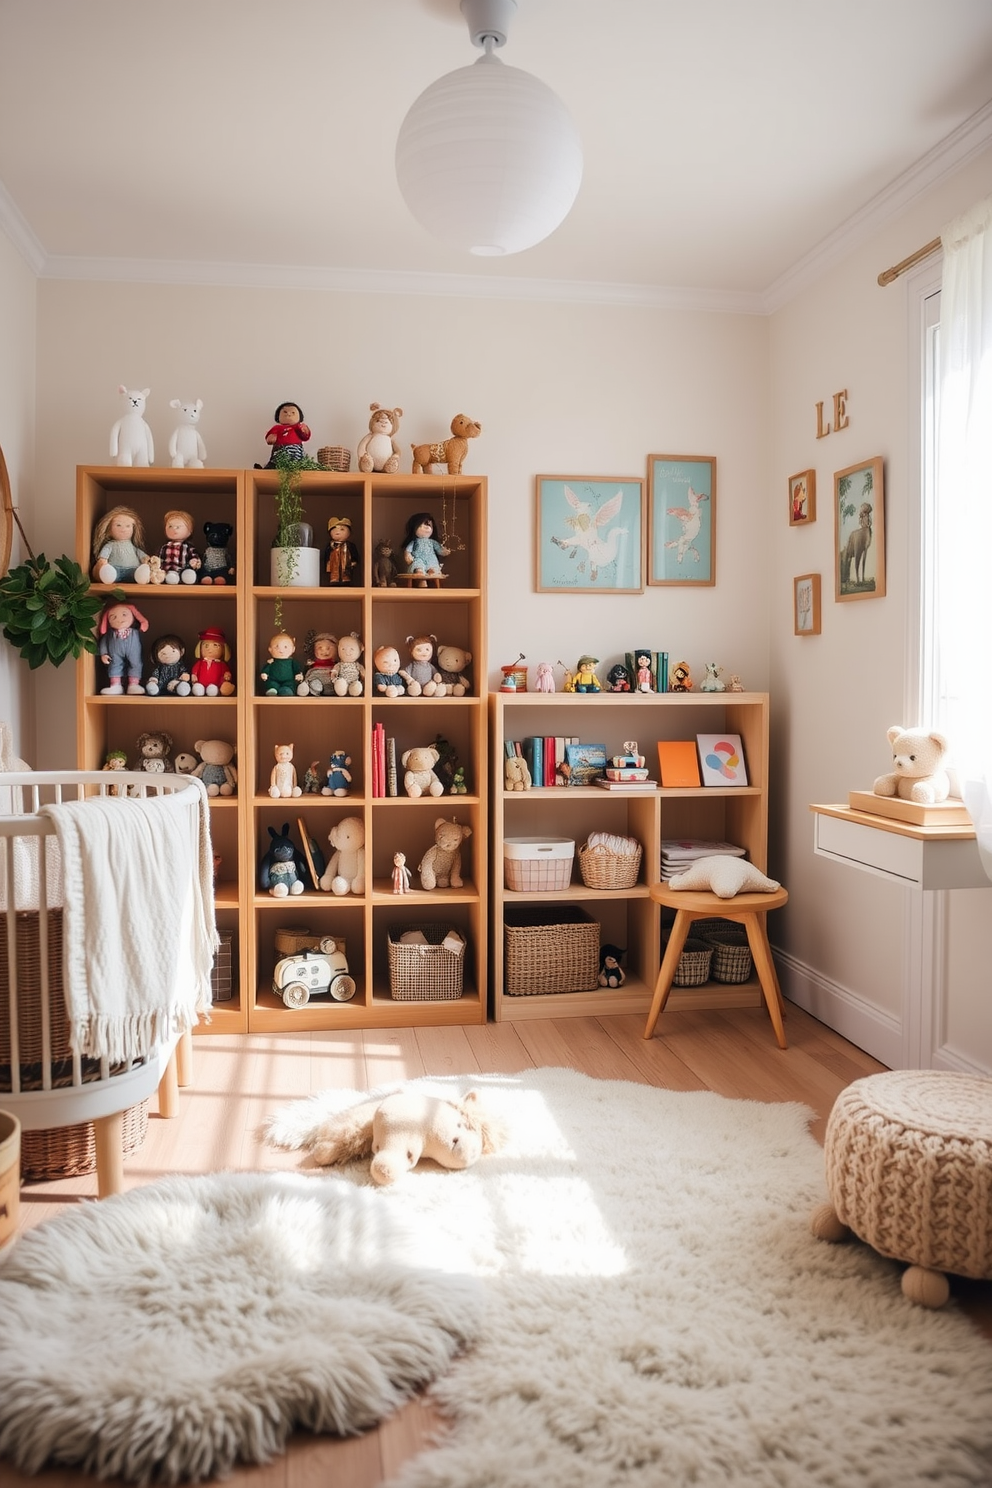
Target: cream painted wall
846,933
559,390
18,295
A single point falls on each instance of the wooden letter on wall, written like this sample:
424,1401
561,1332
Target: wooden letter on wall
841,419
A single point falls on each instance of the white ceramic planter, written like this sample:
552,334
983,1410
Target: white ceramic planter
295,568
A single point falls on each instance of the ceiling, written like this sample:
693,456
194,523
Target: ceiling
726,144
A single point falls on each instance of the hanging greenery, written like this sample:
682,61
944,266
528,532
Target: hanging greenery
289,501
47,611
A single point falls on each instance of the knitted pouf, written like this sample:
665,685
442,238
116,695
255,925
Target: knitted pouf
909,1169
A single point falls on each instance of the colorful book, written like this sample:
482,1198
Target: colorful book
392,783
722,759
625,785
550,760
586,762
533,752
678,763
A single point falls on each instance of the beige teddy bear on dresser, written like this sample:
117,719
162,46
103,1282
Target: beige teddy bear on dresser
441,865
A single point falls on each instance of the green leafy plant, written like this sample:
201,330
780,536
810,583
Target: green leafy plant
47,610
289,501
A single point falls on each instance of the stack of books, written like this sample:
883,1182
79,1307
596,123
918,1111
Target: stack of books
626,772
677,854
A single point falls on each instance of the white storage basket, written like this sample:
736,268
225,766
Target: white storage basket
532,863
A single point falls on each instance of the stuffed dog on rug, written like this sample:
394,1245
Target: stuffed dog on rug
404,1127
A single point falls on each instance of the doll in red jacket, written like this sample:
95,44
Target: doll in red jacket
210,673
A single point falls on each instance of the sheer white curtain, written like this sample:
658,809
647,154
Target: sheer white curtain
963,527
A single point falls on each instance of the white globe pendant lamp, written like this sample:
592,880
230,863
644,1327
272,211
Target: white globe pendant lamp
488,159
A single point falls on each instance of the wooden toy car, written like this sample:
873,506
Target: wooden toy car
312,973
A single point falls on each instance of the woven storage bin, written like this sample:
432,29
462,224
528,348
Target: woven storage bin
293,941
694,964
424,973
222,971
531,863
606,870
334,457
550,950
64,1151
732,961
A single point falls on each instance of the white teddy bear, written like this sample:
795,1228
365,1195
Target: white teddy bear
186,448
918,772
131,438
345,872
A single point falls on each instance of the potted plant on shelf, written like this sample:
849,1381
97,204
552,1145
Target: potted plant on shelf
295,561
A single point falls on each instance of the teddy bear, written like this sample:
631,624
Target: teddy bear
131,440
383,565
918,761
386,678
378,450
215,768
404,1126
186,448
185,762
516,774
448,452
421,676
451,663
345,871
420,779
217,566
155,753
441,865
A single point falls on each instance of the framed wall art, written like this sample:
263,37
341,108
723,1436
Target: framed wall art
802,498
681,519
806,605
859,531
589,534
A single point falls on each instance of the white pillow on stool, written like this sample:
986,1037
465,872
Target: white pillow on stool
724,876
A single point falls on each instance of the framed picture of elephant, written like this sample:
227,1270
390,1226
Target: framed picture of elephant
859,531
588,536
681,519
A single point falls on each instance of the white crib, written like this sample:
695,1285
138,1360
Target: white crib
42,1082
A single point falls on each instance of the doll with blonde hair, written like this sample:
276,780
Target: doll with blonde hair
119,548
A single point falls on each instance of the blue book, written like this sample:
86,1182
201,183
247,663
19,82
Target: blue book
533,747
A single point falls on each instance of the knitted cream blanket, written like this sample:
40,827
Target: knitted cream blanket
138,931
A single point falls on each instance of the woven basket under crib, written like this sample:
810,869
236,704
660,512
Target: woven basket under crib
334,457
732,960
607,870
61,1151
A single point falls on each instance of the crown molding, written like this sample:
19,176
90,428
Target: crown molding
17,230
960,146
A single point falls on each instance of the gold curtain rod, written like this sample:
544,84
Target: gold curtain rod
887,276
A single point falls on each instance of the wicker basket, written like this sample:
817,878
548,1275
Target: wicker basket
606,870
334,457
424,973
550,950
694,964
732,961
64,1151
293,940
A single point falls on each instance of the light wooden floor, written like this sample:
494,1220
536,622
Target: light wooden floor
239,1080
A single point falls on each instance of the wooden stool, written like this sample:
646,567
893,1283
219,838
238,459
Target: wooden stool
748,910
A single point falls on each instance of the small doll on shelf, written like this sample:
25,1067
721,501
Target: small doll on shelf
116,759
348,675
169,676
421,549
280,676
287,436
644,673
341,556
545,679
401,874
585,679
120,629
282,780
420,674
210,672
611,973
681,677
618,678
386,679
180,560
321,651
119,549
218,567
338,774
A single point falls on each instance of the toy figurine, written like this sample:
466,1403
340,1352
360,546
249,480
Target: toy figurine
280,676
644,673
118,549
618,678
168,676
735,684
287,436
681,677
401,874
120,627
545,679
348,674
421,549
378,449
312,779
321,652
116,759
214,767
282,780
711,682
611,973
186,448
155,753
131,440
178,557
341,557
338,775
421,676
383,566
210,673
217,565
585,679
451,663
283,868
386,678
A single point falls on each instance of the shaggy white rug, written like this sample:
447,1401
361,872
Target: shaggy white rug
659,1314
171,1331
